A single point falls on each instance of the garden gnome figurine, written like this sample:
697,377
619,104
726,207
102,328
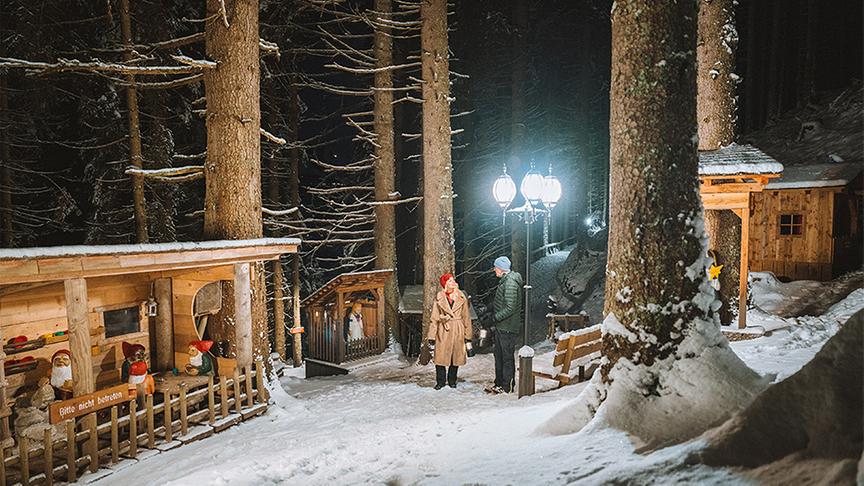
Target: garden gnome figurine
135,371
61,374
200,362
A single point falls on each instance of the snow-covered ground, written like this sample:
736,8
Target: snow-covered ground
385,424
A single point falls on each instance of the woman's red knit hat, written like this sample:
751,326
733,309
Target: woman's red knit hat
445,278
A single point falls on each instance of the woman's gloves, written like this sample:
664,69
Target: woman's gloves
431,344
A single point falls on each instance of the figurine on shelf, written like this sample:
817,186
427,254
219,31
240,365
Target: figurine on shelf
135,371
200,363
61,374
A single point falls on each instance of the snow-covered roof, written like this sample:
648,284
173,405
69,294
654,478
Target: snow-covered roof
817,175
737,159
411,301
371,278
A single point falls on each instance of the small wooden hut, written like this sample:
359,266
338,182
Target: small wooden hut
91,299
326,312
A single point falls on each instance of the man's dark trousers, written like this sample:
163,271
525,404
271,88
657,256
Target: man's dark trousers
505,364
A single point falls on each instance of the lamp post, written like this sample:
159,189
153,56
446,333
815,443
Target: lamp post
541,194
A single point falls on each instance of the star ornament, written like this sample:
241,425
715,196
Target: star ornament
714,271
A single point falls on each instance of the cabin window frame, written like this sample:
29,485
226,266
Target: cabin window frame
142,322
791,225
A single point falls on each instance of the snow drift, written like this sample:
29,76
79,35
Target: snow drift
806,429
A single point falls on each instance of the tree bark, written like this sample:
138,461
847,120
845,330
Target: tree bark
517,165
5,173
717,114
655,231
715,54
438,251
294,201
232,204
385,165
135,158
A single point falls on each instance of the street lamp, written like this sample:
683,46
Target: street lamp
541,195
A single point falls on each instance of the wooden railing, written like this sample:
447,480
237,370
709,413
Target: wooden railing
361,348
327,343
111,435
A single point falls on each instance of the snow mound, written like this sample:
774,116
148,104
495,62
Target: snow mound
673,400
807,428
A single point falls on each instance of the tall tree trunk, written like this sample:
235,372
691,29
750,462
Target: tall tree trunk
232,204
517,165
294,201
752,81
438,251
274,197
775,68
134,127
806,69
717,114
5,173
385,164
654,234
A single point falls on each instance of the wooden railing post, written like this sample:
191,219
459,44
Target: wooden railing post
223,395
3,465
71,446
24,459
48,455
526,368
238,401
166,412
133,429
93,441
184,426
211,400
151,425
250,399
115,436
259,378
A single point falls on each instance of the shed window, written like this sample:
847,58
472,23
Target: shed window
122,321
791,224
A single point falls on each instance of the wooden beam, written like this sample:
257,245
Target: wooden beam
243,314
745,255
79,336
725,201
340,327
164,324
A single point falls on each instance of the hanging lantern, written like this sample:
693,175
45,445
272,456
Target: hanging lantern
504,190
551,190
152,307
532,186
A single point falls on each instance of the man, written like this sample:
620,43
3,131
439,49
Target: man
506,315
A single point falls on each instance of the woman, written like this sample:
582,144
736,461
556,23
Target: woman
354,323
449,330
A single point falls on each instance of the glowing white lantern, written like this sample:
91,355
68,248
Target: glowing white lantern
504,190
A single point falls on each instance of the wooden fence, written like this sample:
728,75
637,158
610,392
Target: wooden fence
106,437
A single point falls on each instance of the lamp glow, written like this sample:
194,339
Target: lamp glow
532,186
504,190
551,190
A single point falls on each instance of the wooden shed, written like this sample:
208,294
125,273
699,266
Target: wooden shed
91,299
729,179
326,312
806,225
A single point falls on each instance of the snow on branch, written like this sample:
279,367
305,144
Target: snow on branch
393,203
201,63
372,70
342,168
280,212
337,190
272,138
67,65
269,48
170,174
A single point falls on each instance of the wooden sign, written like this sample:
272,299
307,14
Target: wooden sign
297,330
89,403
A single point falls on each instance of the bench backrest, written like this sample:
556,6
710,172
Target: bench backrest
576,344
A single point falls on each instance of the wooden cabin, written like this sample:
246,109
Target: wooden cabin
806,224
326,312
411,316
91,299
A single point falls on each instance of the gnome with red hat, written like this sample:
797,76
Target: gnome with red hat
200,362
135,371
61,374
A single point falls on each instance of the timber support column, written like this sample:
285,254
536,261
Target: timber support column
743,274
243,314
79,336
164,324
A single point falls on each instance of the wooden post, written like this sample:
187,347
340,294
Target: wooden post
48,455
259,379
250,400
382,323
339,339
295,309
133,429
164,324
71,446
184,425
2,465
238,402
166,412
278,308
93,441
151,426
223,395
211,400
743,272
79,336
115,436
526,376
243,314
24,459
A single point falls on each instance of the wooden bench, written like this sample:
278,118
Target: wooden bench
582,345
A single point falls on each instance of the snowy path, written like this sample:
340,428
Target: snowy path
384,424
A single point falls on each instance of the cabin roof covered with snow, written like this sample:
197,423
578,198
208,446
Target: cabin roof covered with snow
816,175
43,264
348,282
411,301
737,159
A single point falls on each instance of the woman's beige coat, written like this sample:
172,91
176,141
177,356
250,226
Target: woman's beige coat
450,327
